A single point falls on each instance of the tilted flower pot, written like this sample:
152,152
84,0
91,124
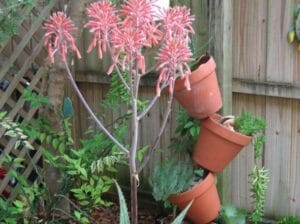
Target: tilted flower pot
204,98
217,145
206,204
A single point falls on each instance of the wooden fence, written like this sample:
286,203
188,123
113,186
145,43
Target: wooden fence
266,81
258,72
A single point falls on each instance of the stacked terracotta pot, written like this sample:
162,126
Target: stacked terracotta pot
217,144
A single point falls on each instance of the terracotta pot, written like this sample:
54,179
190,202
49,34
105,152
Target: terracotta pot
217,145
204,98
206,205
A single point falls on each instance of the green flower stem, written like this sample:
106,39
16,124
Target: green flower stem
156,141
150,105
89,110
118,69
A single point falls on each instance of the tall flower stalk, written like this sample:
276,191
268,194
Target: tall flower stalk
124,34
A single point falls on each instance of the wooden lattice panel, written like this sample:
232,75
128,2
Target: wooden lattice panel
22,57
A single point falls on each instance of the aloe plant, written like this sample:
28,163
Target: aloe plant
124,217
173,177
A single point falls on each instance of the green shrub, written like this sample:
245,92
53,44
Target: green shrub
187,131
289,220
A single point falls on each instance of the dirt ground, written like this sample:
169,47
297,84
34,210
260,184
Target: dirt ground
149,214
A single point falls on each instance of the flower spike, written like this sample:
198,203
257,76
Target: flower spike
102,21
58,37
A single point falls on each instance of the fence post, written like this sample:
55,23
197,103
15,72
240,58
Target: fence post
220,31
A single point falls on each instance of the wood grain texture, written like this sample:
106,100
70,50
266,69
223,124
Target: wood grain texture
274,89
249,39
266,81
279,53
278,155
294,177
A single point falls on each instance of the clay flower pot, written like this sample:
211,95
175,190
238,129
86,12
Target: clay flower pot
204,98
217,145
206,205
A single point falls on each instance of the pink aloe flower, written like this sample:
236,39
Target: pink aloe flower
173,58
102,21
138,12
136,31
58,36
139,15
129,42
177,23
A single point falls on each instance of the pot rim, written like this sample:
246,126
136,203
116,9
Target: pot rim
212,124
198,74
196,191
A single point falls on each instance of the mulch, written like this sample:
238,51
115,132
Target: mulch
148,214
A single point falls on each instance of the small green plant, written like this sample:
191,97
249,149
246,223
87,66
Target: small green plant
252,126
86,170
187,131
10,17
289,220
81,218
25,207
173,177
259,176
11,212
35,99
118,96
232,215
14,131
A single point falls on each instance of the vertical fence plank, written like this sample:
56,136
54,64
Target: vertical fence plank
200,8
294,193
249,38
277,154
279,52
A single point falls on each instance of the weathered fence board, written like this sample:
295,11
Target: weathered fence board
266,67
279,52
249,39
277,154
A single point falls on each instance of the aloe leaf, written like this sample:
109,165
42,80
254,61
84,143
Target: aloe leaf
182,214
124,218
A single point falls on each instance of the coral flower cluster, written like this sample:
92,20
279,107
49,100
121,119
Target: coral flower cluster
58,37
126,32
